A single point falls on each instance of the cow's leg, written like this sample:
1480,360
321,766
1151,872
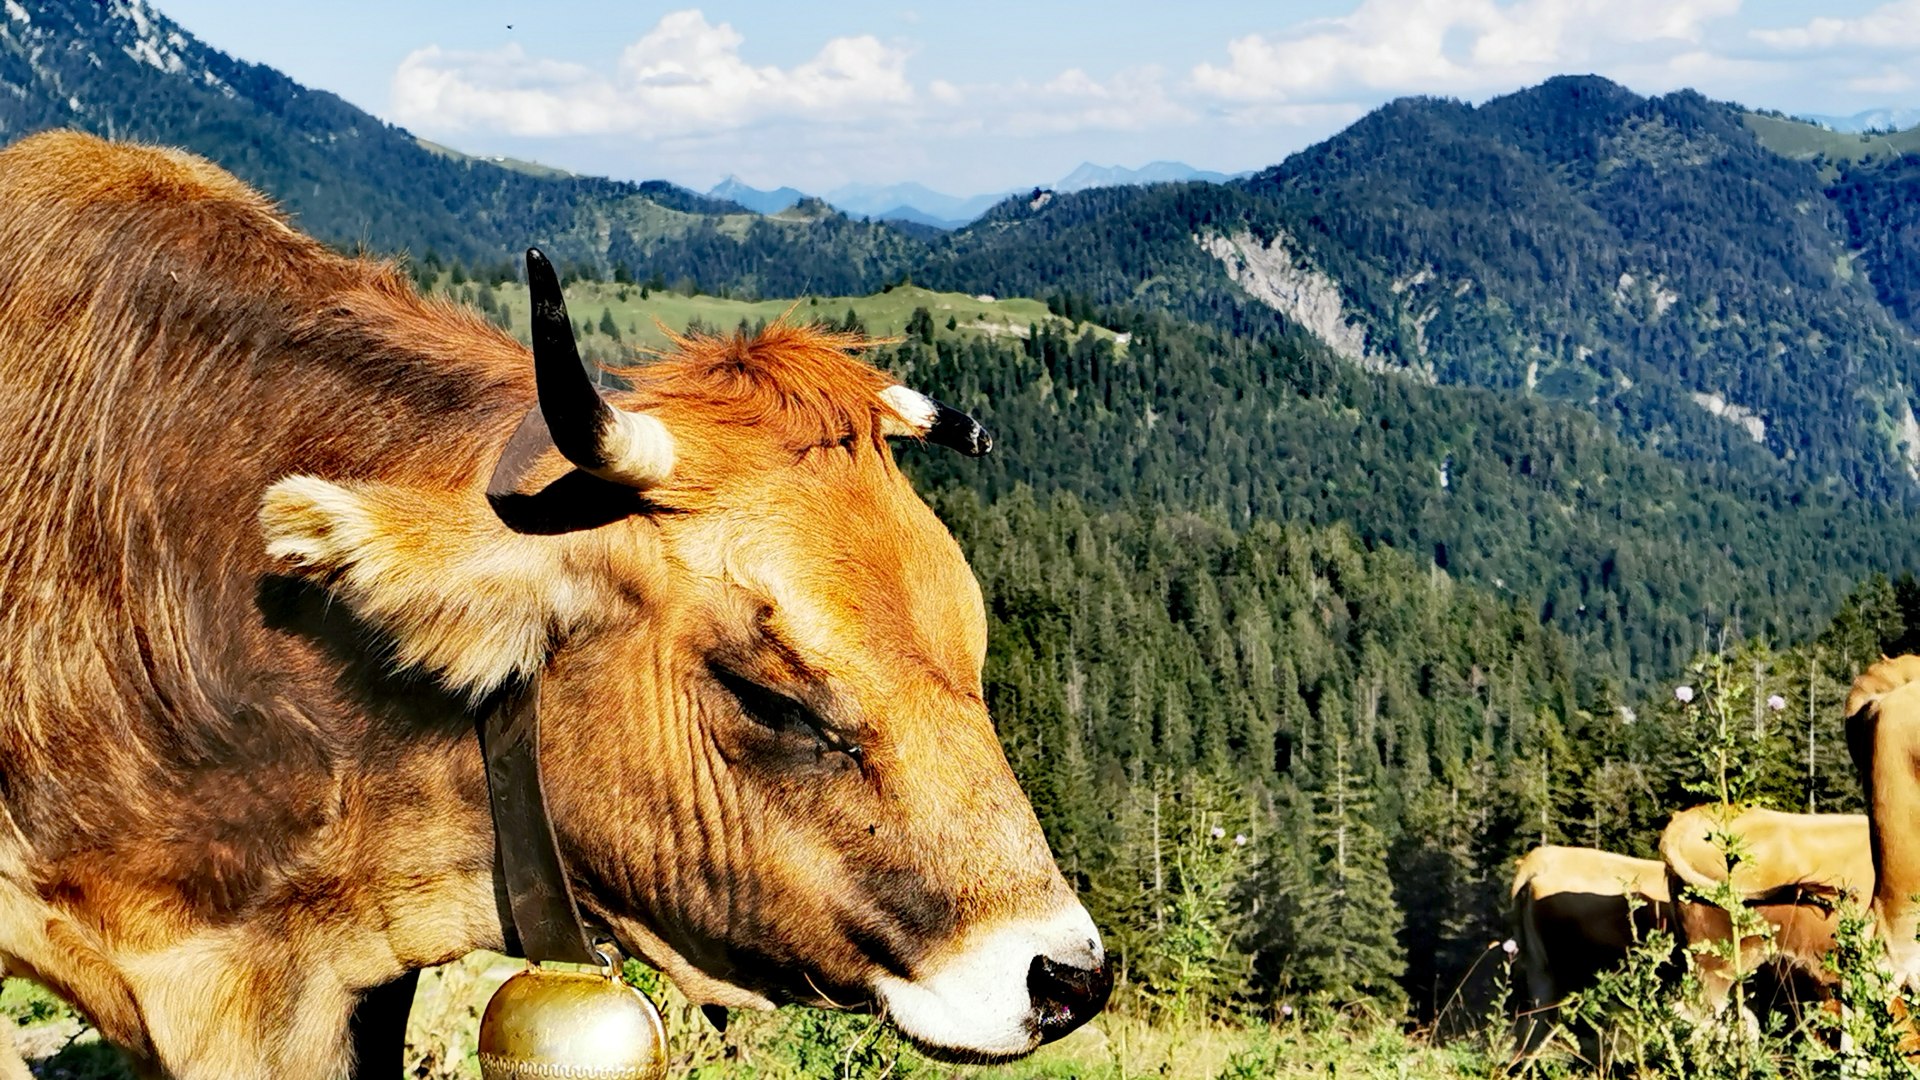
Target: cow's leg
229,1004
1885,742
1535,1021
379,1029
12,1065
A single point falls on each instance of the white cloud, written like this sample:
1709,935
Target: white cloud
1887,81
1458,47
684,76
686,90
1072,101
1893,25
687,99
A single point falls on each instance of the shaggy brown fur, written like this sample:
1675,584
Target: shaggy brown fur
237,771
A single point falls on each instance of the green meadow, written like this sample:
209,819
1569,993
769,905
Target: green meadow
613,318
1800,140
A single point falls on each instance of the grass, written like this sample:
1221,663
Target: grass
531,168
1800,140
639,314
52,1036
803,1044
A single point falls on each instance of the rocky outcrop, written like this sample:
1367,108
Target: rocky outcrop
1278,275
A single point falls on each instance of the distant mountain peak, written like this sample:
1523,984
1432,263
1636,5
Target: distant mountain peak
1884,118
1089,175
734,189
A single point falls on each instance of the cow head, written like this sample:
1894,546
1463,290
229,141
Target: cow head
768,755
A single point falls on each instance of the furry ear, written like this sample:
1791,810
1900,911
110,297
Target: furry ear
462,596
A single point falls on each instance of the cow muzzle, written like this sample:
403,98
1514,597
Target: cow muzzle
1005,990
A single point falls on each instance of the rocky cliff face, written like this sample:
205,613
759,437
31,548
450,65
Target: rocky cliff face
1278,275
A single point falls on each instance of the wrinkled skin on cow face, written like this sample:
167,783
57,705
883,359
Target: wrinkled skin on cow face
825,812
769,756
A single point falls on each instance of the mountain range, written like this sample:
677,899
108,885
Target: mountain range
916,203
1881,119
1578,329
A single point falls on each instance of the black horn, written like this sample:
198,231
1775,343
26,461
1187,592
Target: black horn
935,421
578,418
956,430
628,448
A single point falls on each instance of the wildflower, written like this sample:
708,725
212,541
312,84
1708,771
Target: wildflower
1510,947
1776,702
1239,839
1286,1012
1683,694
1216,832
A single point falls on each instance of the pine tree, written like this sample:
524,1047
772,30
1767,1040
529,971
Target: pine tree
1347,945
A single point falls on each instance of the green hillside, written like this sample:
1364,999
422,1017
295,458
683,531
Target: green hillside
1802,141
355,181
641,317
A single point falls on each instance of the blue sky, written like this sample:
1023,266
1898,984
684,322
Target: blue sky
987,96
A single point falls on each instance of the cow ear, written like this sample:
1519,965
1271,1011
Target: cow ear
461,597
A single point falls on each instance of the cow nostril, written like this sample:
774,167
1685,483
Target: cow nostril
1066,995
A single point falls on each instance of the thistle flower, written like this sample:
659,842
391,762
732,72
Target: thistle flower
1683,694
1217,832
1776,702
1239,839
1510,947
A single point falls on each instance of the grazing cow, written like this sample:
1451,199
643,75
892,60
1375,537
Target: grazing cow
1793,871
1883,734
1573,919
254,593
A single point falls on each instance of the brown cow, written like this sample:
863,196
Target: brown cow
1572,920
1883,733
1794,872
238,771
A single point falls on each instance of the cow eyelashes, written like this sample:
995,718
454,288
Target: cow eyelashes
783,715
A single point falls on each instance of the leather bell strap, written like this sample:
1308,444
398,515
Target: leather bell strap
546,920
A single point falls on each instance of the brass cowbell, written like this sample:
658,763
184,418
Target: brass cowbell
571,1024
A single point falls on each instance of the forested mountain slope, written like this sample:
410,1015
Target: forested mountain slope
1645,259
1629,257
1644,256
1638,559
122,69
1881,201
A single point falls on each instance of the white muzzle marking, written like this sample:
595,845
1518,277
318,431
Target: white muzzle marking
975,1000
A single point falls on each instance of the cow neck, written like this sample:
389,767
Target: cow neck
544,916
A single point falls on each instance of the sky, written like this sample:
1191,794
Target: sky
992,96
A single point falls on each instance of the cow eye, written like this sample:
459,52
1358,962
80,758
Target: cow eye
786,717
